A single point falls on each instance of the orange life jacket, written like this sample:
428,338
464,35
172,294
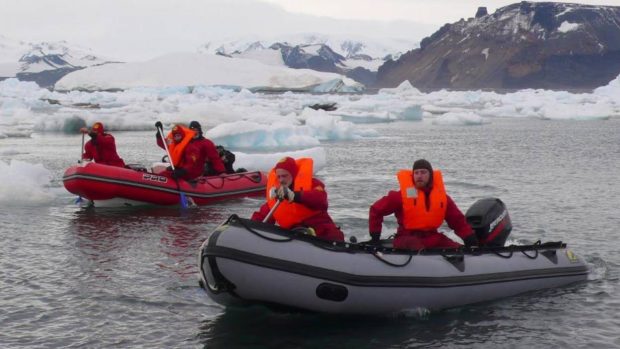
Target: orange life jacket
290,213
416,216
176,149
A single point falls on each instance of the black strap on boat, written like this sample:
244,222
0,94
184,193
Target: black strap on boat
318,242
509,255
222,284
537,243
235,218
379,256
551,255
456,259
333,246
364,247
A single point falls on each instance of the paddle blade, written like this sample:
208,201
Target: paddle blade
183,200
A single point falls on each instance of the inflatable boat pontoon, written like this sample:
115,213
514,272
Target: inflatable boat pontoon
109,185
244,262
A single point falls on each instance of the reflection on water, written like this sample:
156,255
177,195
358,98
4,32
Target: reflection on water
482,326
106,236
262,327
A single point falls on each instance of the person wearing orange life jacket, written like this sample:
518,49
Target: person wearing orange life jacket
304,200
101,148
184,155
420,206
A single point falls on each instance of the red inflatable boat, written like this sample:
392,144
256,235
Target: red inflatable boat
111,186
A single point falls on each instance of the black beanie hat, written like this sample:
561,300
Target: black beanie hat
195,125
421,163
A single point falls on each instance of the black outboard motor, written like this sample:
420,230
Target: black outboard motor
490,220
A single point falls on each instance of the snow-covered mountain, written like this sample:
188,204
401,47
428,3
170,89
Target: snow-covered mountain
194,69
358,58
346,46
524,45
45,62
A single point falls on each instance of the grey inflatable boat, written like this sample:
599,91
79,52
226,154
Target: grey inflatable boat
245,262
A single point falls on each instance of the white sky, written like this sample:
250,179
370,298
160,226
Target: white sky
142,29
422,11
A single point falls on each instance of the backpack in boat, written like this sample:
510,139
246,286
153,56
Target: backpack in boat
228,158
490,220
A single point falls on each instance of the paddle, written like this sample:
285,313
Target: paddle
272,193
82,149
273,209
181,194
79,198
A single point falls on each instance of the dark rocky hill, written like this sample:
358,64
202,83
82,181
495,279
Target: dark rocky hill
322,58
524,45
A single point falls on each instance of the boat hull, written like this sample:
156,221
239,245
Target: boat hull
240,267
101,183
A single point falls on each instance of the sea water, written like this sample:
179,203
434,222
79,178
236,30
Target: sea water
75,277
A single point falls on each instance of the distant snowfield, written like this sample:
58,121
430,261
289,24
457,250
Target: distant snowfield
190,69
242,119
269,57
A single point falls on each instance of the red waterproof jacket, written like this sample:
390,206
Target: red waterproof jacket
208,152
392,204
103,151
315,199
192,160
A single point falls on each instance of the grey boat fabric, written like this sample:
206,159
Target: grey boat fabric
246,262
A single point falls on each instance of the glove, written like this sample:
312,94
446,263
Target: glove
178,173
375,239
283,193
305,231
84,130
158,125
471,240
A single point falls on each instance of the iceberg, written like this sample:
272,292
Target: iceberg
181,70
24,184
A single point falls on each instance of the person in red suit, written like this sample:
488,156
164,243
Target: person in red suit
207,149
303,200
185,155
420,206
101,147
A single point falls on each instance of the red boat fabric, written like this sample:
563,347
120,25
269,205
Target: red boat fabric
101,182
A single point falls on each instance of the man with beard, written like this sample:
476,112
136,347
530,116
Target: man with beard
420,206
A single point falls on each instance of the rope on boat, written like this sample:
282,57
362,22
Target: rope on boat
252,176
509,255
537,243
235,218
377,251
333,246
379,256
